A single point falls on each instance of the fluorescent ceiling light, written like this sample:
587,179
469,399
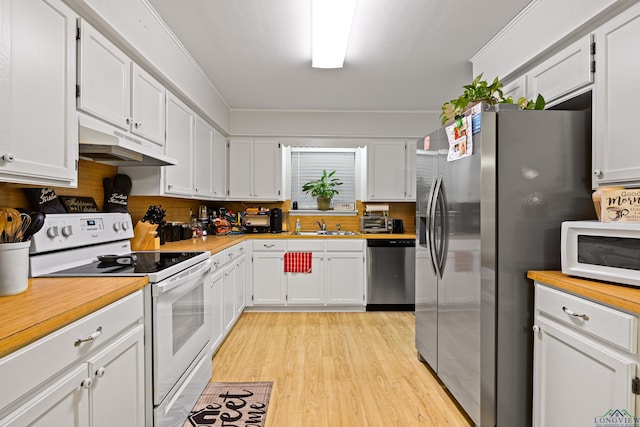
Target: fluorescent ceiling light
330,26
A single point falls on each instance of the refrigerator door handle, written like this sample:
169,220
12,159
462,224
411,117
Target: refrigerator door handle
444,230
433,204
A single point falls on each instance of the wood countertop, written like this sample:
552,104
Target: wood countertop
618,296
49,304
219,243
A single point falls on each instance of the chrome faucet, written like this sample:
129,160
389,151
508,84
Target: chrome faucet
322,226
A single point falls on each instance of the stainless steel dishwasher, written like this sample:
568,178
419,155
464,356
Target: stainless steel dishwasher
391,274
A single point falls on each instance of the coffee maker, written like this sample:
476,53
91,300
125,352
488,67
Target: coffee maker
276,220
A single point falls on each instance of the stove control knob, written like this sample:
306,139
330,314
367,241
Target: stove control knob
52,232
125,225
116,226
67,231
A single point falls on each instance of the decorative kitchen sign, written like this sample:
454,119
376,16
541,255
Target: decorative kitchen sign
620,205
460,139
75,204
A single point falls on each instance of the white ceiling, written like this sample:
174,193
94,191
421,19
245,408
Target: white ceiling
403,55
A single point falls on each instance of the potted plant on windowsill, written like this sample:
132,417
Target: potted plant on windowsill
323,189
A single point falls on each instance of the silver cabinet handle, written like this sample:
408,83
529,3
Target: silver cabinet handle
137,125
597,173
91,337
129,120
100,372
536,328
8,157
269,246
574,314
86,383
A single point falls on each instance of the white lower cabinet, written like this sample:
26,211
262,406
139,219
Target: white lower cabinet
67,379
233,282
307,288
336,279
585,361
345,272
217,301
269,280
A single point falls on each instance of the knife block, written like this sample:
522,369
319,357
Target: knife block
145,237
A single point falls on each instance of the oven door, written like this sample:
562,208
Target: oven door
181,324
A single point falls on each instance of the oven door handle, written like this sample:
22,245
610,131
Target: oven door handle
179,279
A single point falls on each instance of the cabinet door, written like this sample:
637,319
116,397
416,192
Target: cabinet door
240,285
64,403
615,151
306,288
148,104
576,379
567,71
386,174
38,122
268,171
117,391
203,160
104,78
180,122
269,280
345,278
410,151
217,326
219,165
229,296
241,169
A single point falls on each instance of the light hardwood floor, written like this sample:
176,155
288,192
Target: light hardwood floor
336,369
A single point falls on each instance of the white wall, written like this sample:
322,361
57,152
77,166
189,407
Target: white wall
332,124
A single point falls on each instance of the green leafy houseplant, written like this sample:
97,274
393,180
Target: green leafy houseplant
481,91
323,189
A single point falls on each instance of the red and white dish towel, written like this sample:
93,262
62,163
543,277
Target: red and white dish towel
297,262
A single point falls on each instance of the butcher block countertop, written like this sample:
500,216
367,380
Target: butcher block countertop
49,304
52,303
618,296
219,243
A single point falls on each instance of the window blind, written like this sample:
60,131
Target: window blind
308,164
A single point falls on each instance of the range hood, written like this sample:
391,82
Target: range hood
105,143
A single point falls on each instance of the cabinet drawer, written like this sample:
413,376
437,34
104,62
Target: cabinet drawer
270,245
608,324
43,359
308,245
217,262
341,245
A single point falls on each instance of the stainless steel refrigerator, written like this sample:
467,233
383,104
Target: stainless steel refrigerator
492,192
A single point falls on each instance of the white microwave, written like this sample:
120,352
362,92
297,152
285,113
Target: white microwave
604,251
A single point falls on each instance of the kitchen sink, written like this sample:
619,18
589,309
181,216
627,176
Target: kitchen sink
326,233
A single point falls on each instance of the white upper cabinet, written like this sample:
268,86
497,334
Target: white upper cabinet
180,142
615,147
255,169
219,165
38,123
390,174
565,72
147,106
116,90
203,159
104,78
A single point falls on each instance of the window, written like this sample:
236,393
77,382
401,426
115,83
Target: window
307,164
